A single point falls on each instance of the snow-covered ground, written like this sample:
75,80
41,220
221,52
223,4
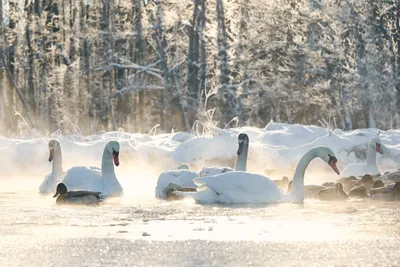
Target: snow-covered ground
141,230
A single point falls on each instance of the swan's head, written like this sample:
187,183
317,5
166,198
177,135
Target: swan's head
183,167
61,190
243,141
327,155
113,148
53,145
377,144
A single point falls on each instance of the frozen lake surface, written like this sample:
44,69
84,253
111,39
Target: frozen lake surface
147,232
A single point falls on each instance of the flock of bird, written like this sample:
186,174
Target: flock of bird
92,185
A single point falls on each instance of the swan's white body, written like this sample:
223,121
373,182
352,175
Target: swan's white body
210,171
370,167
95,179
50,181
183,178
242,187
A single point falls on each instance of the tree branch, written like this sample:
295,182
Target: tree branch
136,88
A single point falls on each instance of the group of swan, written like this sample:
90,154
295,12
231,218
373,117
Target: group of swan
89,180
184,178
211,185
239,186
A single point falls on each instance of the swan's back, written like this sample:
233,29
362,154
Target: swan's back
359,169
210,171
242,187
84,178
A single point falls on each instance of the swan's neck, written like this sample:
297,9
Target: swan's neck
57,163
371,155
298,178
107,165
241,160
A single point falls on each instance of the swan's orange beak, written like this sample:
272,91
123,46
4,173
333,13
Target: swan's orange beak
116,160
332,163
379,148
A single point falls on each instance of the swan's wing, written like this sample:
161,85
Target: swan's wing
46,187
210,171
84,178
242,187
183,178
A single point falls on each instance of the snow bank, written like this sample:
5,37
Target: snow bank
275,149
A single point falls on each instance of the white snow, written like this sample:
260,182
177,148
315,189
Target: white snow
276,148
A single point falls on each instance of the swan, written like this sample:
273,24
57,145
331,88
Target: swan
182,179
242,187
76,197
241,160
50,181
96,179
359,169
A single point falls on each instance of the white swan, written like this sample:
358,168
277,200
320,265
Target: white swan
359,169
94,179
243,187
50,181
183,177
241,160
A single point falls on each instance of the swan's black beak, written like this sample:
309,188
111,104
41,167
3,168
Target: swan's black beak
115,156
51,156
240,148
332,162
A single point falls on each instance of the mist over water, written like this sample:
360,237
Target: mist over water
35,231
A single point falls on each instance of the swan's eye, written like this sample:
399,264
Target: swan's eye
332,158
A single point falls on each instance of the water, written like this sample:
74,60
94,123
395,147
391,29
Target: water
139,230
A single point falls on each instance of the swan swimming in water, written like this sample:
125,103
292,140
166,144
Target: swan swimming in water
182,179
242,187
370,167
48,186
95,179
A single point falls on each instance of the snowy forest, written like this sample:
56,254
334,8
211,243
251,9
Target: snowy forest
81,66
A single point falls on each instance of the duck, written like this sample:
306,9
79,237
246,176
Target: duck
390,192
182,179
240,187
332,193
81,197
241,159
370,167
51,180
348,182
95,179
283,183
362,187
310,190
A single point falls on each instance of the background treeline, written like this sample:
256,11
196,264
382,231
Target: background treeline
81,66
